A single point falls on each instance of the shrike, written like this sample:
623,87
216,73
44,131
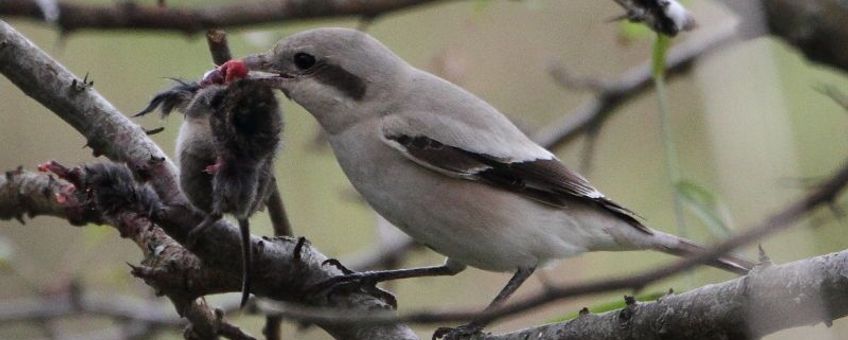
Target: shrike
447,168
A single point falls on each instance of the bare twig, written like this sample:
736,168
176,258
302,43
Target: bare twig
110,133
59,306
277,212
218,46
594,112
128,15
107,131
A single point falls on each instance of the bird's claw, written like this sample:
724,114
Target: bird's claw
335,282
457,333
354,280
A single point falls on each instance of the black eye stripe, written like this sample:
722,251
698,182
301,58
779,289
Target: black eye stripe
345,82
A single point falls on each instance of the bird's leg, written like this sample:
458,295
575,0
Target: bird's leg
475,327
450,268
191,238
246,260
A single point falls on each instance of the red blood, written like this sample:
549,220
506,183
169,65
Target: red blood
234,69
213,168
228,72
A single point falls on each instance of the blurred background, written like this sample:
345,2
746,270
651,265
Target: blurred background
749,127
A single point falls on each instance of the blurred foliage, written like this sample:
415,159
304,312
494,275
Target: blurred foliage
722,119
707,206
6,252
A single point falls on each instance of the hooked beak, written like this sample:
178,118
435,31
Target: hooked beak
261,67
263,64
257,62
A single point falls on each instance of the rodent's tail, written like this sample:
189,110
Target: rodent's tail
682,247
246,260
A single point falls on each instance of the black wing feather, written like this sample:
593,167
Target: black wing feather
544,180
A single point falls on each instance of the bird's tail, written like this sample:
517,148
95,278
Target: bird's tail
682,247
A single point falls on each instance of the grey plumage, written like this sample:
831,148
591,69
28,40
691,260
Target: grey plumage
446,167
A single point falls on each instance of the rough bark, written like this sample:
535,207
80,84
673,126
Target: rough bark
111,134
71,16
816,27
770,299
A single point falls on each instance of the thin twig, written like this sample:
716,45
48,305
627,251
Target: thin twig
594,112
110,133
218,46
129,15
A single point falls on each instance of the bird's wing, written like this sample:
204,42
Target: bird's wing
506,159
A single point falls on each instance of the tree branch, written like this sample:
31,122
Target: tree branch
816,27
285,272
613,95
823,195
769,299
107,131
74,16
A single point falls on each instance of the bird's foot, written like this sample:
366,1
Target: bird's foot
348,276
463,332
364,281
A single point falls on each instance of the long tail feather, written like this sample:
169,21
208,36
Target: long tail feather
682,247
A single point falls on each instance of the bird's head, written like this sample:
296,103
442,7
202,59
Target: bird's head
334,73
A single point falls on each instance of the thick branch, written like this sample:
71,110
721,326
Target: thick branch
108,132
816,27
28,193
129,15
111,134
769,299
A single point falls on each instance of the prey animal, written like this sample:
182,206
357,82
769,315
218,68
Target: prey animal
225,149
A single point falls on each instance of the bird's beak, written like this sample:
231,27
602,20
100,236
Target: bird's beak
262,67
257,62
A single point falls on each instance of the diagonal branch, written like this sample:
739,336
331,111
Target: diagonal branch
612,96
286,271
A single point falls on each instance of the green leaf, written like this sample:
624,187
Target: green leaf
604,307
706,206
660,49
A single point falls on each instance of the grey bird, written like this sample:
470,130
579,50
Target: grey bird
225,151
447,168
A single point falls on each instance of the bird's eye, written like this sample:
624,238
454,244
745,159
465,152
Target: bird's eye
303,61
